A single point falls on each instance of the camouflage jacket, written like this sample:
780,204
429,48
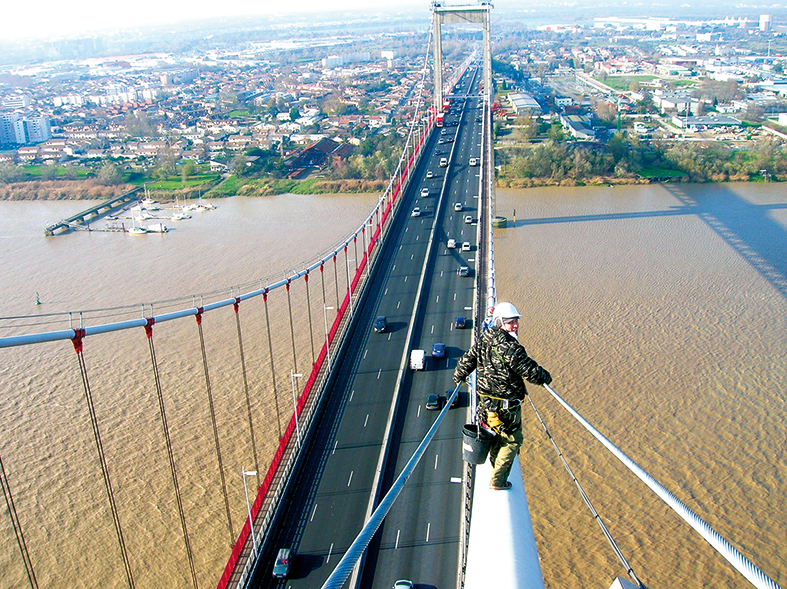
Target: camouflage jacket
502,364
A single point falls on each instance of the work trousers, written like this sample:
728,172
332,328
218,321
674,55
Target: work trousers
504,450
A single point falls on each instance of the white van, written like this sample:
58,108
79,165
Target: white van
418,360
443,162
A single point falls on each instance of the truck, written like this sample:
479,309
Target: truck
447,105
439,121
417,360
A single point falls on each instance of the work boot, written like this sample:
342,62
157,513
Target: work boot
504,487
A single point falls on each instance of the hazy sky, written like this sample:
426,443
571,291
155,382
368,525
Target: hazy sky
62,18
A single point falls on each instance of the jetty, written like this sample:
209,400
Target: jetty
82,219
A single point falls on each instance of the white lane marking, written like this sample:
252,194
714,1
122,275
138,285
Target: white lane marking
432,329
438,299
436,456
365,421
456,479
351,478
405,278
471,259
397,304
389,337
411,256
366,351
386,292
416,237
454,296
468,308
397,539
418,414
336,443
351,394
441,273
313,512
329,553
428,528
378,373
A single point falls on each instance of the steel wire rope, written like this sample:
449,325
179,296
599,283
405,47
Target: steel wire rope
270,355
16,524
336,281
309,312
209,391
77,341
743,565
246,389
292,328
586,499
170,453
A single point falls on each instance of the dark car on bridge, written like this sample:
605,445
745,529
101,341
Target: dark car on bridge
380,324
281,568
438,350
434,402
460,322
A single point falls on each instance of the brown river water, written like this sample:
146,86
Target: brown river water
661,312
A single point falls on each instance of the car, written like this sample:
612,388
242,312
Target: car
469,219
380,324
281,568
449,139
433,403
478,119
443,132
451,244
424,192
441,141
458,206
460,322
438,350
463,271
465,246
430,174
443,162
403,584
473,161
416,212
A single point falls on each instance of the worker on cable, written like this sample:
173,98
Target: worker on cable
502,366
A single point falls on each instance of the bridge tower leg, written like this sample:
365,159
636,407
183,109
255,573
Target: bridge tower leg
478,14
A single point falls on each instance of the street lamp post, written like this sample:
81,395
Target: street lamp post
249,473
349,287
327,343
293,376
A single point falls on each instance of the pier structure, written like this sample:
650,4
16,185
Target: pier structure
95,212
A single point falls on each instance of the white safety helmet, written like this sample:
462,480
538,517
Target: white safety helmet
505,311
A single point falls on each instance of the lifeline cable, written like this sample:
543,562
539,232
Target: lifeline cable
292,328
309,312
20,537
170,453
77,341
586,499
742,564
198,317
246,389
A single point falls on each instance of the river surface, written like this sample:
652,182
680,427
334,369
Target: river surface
661,312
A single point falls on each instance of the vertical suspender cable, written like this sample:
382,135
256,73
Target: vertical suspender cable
336,281
246,388
309,311
20,537
292,327
270,354
77,341
198,317
170,453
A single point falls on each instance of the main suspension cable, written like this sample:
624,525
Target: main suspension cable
586,499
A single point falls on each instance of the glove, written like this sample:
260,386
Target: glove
493,421
543,377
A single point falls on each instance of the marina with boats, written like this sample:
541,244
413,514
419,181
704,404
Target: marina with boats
130,214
